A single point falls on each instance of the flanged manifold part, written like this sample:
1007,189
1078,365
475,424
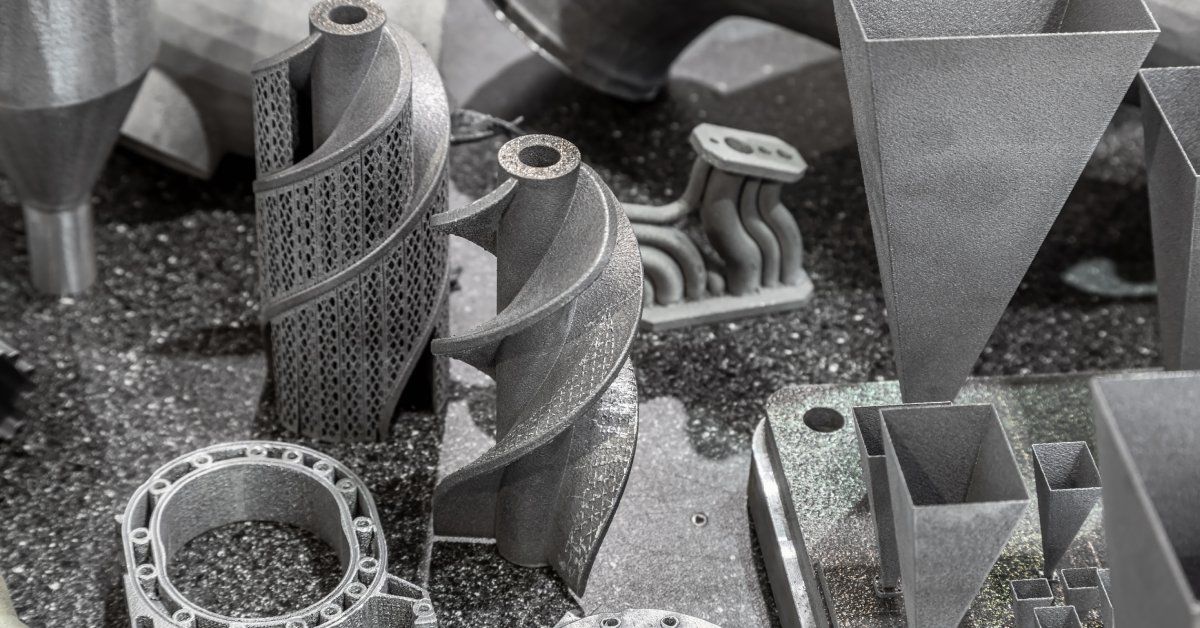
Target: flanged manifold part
263,481
638,618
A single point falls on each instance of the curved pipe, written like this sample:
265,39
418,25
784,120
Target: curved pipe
683,253
785,229
743,262
677,210
664,275
760,232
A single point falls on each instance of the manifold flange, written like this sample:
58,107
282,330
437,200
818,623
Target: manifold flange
275,482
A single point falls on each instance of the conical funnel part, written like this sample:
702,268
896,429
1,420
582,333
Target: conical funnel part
956,496
1170,110
1068,487
974,120
1147,427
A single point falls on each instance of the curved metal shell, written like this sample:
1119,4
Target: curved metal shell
569,295
354,283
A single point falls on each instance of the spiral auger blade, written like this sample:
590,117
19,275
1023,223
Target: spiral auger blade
352,133
569,295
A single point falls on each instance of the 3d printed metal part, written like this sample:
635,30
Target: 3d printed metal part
1057,617
1081,588
622,48
1107,616
352,130
1028,595
263,481
1171,114
874,469
968,161
1146,428
956,496
8,614
1068,487
641,618
751,260
68,72
569,295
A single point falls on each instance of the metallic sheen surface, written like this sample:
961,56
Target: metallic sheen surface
352,129
568,297
974,122
1147,426
830,529
69,70
1068,487
263,481
1171,114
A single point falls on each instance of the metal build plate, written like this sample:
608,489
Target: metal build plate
827,542
727,307
748,153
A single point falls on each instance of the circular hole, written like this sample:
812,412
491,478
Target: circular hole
140,534
257,451
714,140
368,563
362,523
423,608
357,588
699,519
738,145
160,485
345,485
346,14
291,455
256,569
202,460
763,150
146,571
669,622
296,623
824,420
330,611
783,153
539,156
610,622
182,615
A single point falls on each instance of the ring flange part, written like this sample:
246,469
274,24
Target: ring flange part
263,481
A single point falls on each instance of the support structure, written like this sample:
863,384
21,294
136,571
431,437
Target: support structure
569,294
352,134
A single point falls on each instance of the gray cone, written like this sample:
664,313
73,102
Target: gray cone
1068,487
1171,113
974,121
956,496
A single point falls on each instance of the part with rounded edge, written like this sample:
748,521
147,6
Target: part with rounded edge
352,129
620,47
569,293
68,73
637,618
263,481
750,260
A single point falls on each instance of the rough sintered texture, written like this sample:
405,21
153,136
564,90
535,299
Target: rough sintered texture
1172,123
972,134
165,357
1146,428
823,469
1068,486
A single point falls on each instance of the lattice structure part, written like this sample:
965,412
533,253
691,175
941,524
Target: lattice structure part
263,481
353,280
569,296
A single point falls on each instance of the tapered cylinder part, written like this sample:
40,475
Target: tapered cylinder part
62,248
352,134
956,496
968,161
1068,487
1170,112
569,295
1027,596
69,71
1147,426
